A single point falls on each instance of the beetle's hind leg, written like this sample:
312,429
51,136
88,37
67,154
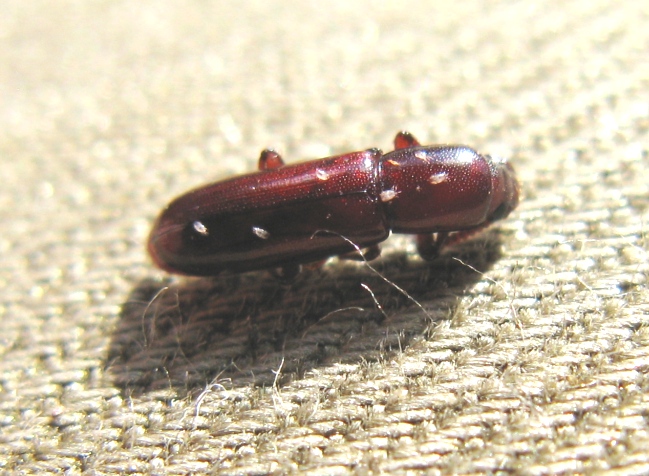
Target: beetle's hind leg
269,159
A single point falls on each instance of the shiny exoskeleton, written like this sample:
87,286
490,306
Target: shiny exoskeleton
286,215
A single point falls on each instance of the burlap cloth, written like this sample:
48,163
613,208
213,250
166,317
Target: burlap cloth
525,350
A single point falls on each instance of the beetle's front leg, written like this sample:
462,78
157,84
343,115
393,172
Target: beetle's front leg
368,254
429,244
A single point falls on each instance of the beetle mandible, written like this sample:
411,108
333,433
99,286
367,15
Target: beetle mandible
283,216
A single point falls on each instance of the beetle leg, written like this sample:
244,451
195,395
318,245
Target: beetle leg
368,254
371,253
404,139
460,236
429,245
269,159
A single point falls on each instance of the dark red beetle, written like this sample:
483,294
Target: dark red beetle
286,215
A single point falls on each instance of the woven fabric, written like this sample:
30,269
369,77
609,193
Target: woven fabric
524,350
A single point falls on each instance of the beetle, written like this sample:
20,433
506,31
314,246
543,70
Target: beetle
283,216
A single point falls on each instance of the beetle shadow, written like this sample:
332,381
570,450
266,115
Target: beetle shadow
238,330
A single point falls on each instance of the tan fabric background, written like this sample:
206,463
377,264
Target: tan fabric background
525,350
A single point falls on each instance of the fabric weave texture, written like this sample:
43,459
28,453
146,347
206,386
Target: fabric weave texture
523,351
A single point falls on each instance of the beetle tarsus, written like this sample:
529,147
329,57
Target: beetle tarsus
269,159
429,245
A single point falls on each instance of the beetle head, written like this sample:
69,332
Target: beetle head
505,189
